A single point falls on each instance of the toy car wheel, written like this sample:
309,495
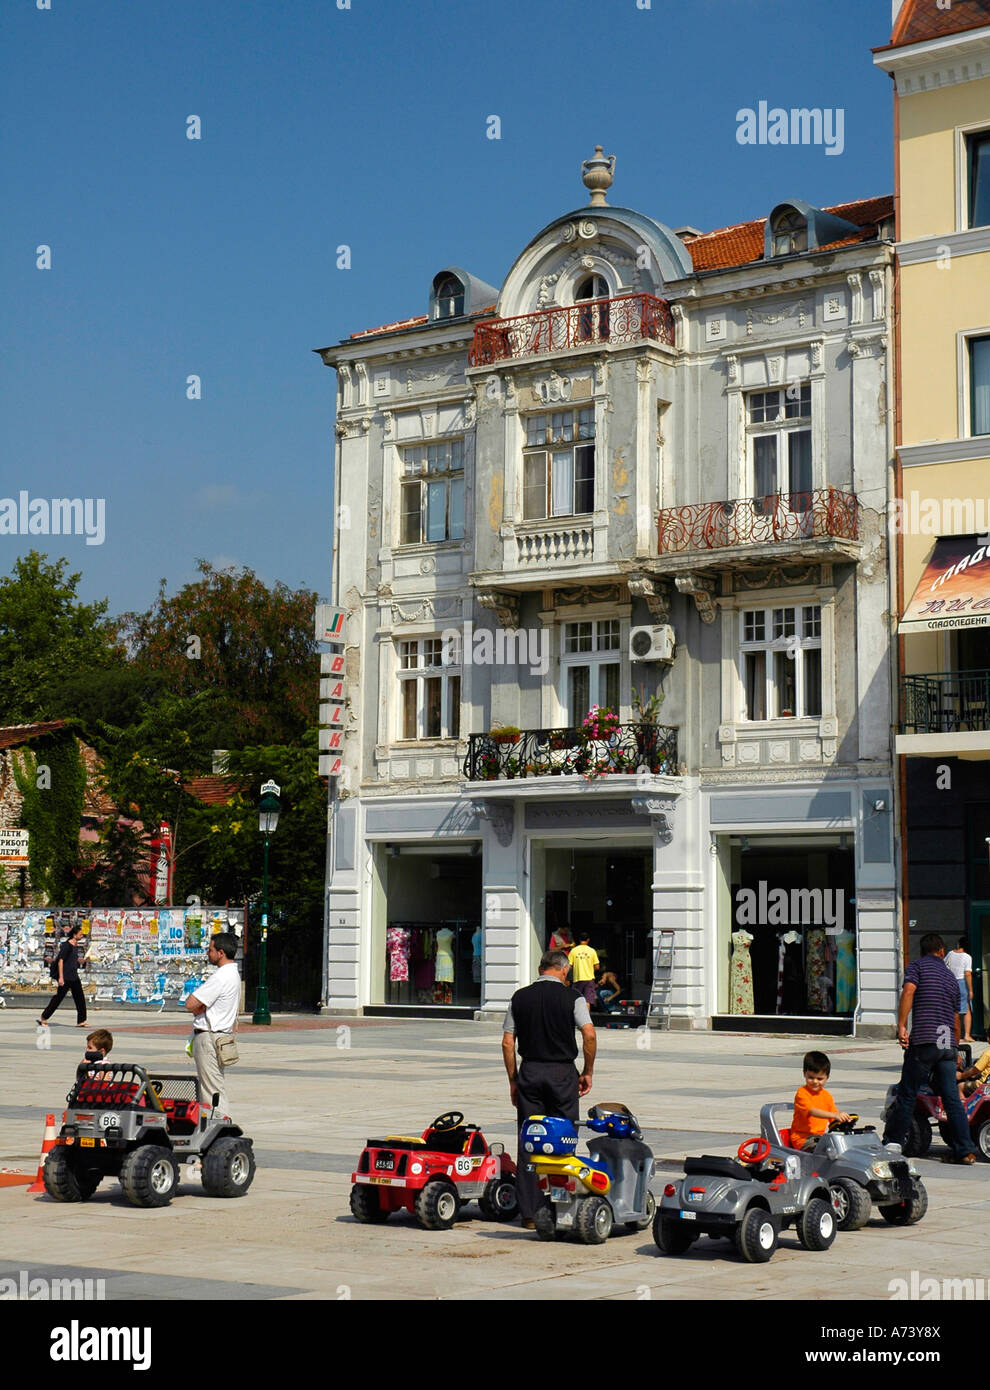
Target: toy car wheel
65,1182
918,1140
982,1137
366,1206
593,1222
647,1221
816,1226
670,1235
149,1176
545,1222
499,1201
437,1205
907,1213
851,1204
756,1236
228,1167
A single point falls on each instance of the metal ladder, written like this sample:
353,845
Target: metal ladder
663,979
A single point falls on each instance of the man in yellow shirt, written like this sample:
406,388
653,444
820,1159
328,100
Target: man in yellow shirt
584,963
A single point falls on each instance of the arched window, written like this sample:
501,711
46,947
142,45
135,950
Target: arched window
448,298
592,322
790,233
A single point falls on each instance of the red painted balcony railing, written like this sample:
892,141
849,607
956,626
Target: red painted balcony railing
627,319
788,516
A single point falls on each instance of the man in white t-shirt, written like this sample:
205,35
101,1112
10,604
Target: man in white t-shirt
961,965
215,1005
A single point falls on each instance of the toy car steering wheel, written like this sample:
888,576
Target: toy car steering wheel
753,1150
843,1126
451,1120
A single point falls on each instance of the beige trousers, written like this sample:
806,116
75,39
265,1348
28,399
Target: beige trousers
208,1068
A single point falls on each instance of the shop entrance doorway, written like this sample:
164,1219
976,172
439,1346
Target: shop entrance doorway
979,949
606,892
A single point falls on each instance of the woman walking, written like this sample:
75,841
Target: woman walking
67,977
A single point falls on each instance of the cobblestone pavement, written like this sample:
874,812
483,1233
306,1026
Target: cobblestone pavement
310,1091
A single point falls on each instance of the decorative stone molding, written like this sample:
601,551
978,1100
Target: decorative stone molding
655,591
470,412
346,429
553,388
777,577
504,606
361,371
817,354
660,811
772,320
855,282
877,280
428,610
732,363
702,589
644,370
500,815
601,371
388,420
344,377
677,314
586,230
874,346
584,594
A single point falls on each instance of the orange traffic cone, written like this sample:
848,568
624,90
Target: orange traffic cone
48,1143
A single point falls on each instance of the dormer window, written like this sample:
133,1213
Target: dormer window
448,298
592,322
790,233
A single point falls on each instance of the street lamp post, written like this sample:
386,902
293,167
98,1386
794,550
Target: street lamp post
268,809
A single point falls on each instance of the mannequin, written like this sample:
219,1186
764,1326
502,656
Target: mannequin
741,974
790,976
476,956
445,966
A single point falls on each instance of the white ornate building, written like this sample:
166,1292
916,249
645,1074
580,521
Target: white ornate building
652,462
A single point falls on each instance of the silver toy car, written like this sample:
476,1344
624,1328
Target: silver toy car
125,1122
749,1200
859,1169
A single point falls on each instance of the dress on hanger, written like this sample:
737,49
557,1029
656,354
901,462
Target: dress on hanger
397,947
845,972
741,974
476,956
445,956
792,1001
818,971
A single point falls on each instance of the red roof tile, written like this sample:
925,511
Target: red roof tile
15,734
743,242
214,791
922,20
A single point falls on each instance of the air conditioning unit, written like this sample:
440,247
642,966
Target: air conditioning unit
652,643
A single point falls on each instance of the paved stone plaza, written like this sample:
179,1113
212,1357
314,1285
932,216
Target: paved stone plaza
309,1091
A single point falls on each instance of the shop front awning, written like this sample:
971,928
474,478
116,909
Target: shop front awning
954,590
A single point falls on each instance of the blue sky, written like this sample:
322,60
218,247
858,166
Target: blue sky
320,127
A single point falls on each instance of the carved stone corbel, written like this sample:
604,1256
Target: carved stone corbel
655,591
361,372
661,813
702,589
500,815
504,606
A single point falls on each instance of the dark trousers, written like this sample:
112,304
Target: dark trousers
542,1088
78,998
920,1063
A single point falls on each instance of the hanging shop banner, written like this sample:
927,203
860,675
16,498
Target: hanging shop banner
954,590
160,886
330,623
14,848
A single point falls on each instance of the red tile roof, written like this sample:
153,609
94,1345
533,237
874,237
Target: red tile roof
922,20
214,791
743,243
15,734
391,327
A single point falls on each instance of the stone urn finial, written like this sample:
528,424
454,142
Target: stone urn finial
597,175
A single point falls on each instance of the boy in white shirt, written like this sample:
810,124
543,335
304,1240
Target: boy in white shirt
961,964
215,1005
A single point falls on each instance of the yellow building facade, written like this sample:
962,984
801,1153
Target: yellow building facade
939,59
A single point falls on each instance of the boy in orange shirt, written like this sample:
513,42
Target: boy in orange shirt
814,1107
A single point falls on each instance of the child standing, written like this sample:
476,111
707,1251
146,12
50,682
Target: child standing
814,1107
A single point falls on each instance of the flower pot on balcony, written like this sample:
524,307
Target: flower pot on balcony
506,735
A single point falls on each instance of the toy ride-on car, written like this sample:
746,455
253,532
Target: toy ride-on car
586,1197
929,1111
432,1176
858,1168
749,1200
125,1122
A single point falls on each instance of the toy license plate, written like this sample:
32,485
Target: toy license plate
559,1194
689,1216
386,1162
110,1121
88,1143
384,1181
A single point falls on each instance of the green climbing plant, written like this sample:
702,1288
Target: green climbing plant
52,782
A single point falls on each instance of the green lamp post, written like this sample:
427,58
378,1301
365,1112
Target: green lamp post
268,809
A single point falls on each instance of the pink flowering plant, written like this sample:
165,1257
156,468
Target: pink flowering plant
600,722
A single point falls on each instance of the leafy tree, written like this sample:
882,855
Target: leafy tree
51,777
252,646
45,635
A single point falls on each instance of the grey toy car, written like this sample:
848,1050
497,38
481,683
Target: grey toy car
859,1169
124,1122
749,1200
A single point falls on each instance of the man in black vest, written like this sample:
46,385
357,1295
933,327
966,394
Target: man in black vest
543,1021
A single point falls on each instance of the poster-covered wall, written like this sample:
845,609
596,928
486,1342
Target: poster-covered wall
136,955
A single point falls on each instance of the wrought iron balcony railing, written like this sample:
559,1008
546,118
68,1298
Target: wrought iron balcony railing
787,516
559,752
626,319
945,702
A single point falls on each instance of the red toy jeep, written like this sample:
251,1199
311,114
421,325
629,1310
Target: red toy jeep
432,1176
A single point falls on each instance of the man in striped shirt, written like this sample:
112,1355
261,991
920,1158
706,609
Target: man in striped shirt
931,996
